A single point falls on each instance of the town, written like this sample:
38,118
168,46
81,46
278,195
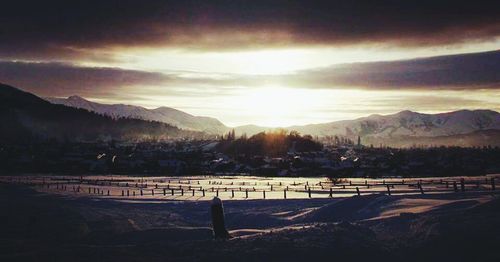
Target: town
291,155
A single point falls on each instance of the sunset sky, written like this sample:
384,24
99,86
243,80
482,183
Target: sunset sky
271,63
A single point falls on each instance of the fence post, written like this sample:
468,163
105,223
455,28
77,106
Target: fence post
309,192
203,191
141,192
388,190
193,191
172,191
264,194
357,191
164,191
246,193
455,186
492,183
331,192
462,184
284,193
232,193
123,193
421,189
108,192
217,193
182,191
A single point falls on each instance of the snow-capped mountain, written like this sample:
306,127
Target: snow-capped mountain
404,123
162,114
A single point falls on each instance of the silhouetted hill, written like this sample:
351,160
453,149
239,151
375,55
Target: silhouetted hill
25,117
167,115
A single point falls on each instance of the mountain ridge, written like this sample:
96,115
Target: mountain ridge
163,114
400,124
27,117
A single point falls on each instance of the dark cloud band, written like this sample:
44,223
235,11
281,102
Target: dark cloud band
457,72
35,28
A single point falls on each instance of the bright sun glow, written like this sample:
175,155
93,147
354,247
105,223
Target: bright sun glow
277,106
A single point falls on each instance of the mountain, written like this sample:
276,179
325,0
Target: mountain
402,124
26,117
162,114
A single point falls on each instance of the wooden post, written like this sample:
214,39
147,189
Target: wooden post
232,193
182,191
123,193
203,191
421,188
388,190
128,193
455,186
331,192
193,191
284,194
271,187
164,191
217,193
357,191
108,192
172,191
264,194
246,193
309,192
141,192
493,183
217,212
462,184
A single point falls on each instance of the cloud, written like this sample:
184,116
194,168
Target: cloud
57,28
456,72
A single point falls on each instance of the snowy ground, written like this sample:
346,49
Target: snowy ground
63,225
244,187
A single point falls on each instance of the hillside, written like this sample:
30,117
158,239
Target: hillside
402,124
26,117
167,115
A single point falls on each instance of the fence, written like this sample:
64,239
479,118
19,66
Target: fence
247,188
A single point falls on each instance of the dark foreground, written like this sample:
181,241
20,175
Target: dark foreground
40,227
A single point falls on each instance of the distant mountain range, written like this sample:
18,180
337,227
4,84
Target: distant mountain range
162,114
26,117
402,124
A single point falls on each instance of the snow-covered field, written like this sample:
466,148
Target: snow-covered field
245,187
45,219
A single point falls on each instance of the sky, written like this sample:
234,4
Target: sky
270,63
